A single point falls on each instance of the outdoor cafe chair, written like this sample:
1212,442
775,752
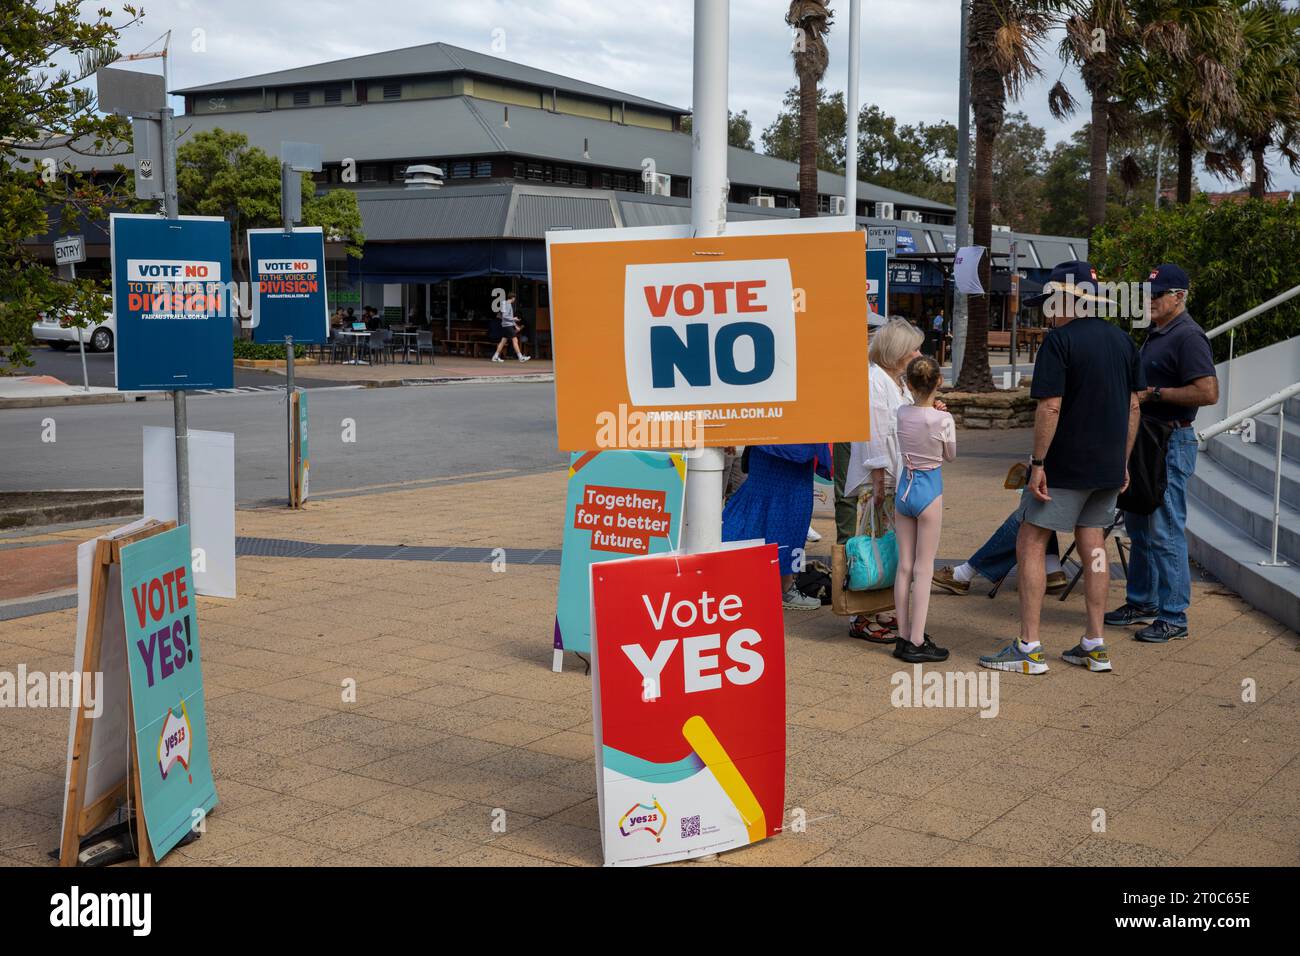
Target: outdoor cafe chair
424,342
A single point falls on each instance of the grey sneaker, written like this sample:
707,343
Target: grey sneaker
1097,659
796,600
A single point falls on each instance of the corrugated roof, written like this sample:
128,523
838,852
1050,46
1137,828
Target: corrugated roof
646,210
470,212
535,212
465,126
428,58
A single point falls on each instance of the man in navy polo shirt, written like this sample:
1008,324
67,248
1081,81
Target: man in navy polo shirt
1179,369
1087,382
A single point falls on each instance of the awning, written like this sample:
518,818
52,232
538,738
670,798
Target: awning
421,262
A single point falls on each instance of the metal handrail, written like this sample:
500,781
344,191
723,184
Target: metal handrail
1231,325
1251,313
1277,400
1263,405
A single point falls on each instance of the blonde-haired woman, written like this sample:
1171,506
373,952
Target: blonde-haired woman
874,466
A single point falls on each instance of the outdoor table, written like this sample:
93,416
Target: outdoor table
408,342
356,343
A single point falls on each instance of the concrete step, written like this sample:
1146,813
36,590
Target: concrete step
1255,464
1244,507
1224,552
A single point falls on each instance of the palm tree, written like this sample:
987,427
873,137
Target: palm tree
1004,39
1185,76
1097,40
1268,87
812,20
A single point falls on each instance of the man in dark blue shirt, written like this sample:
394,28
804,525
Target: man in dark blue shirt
1179,369
1087,379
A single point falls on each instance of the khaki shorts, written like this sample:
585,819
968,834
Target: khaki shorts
1072,508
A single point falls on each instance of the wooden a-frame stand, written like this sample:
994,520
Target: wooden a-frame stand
81,820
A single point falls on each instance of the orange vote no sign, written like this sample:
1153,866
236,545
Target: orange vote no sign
751,339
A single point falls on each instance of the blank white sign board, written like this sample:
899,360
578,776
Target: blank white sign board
212,500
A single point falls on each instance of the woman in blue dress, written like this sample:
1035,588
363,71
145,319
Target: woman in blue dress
775,504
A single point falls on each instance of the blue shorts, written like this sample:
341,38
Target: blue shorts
917,490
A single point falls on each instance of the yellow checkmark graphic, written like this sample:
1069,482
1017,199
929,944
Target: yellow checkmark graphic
706,745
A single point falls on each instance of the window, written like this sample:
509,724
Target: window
482,168
519,169
460,169
620,182
606,181
562,175
579,177
535,171
392,91
333,94
301,98
370,174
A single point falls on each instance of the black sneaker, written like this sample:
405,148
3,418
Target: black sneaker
1161,632
1129,614
927,653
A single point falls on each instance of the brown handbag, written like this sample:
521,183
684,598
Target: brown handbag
848,603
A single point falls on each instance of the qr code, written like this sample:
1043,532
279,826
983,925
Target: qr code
690,827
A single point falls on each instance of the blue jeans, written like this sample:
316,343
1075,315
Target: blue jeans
995,559
1159,577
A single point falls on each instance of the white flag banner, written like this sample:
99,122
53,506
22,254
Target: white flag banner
966,269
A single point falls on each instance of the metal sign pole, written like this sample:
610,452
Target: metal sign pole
1013,302
180,414
81,340
709,186
286,182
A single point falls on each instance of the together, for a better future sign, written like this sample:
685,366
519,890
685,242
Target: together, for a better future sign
162,650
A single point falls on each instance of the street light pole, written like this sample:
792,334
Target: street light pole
180,417
709,186
963,187
851,134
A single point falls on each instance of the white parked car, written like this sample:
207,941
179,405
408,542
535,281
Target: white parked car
59,334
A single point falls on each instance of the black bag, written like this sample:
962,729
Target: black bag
814,581
1148,473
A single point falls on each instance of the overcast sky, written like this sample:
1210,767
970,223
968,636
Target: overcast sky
909,47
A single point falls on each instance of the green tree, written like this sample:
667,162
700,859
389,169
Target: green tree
219,174
43,109
1098,39
1019,161
1185,74
781,137
907,158
1004,39
1236,255
1268,88
811,20
740,131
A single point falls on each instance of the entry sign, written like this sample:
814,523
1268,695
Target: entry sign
758,338
688,669
289,285
69,250
168,717
172,302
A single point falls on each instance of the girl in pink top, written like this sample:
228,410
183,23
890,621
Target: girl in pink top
926,439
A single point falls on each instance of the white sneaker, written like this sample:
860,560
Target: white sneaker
525,358
813,535
497,358
796,600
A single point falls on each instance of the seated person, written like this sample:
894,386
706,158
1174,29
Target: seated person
995,559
